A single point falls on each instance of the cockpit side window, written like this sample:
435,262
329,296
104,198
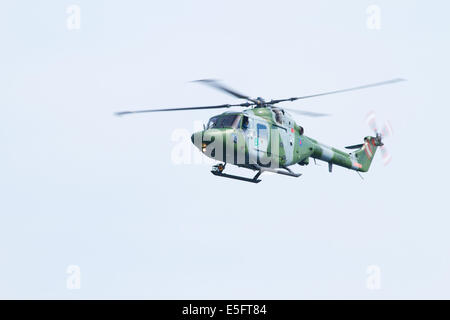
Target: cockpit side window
237,122
278,116
225,121
245,123
212,123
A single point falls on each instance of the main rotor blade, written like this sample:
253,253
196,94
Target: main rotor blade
217,85
246,104
340,91
307,113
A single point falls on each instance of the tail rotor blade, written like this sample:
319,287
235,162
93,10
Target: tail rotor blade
371,121
387,129
386,156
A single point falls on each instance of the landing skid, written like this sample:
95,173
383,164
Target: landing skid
217,170
231,176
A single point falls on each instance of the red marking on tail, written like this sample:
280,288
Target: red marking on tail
368,150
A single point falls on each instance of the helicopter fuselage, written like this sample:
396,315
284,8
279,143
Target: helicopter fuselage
265,137
268,137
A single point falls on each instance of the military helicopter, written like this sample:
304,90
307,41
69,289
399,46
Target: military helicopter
265,138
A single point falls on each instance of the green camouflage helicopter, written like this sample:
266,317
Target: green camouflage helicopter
265,137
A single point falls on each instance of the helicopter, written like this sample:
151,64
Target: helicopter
264,137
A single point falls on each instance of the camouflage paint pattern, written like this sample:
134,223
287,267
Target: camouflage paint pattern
273,139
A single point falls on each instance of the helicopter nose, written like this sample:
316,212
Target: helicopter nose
197,139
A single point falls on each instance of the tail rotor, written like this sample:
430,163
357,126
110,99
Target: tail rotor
386,131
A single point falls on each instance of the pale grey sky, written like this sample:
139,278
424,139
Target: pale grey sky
81,187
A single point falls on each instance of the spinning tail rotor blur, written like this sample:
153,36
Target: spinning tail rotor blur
386,131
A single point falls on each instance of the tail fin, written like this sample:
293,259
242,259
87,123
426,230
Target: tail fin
366,152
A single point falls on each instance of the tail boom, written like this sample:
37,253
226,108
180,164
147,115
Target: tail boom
358,160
